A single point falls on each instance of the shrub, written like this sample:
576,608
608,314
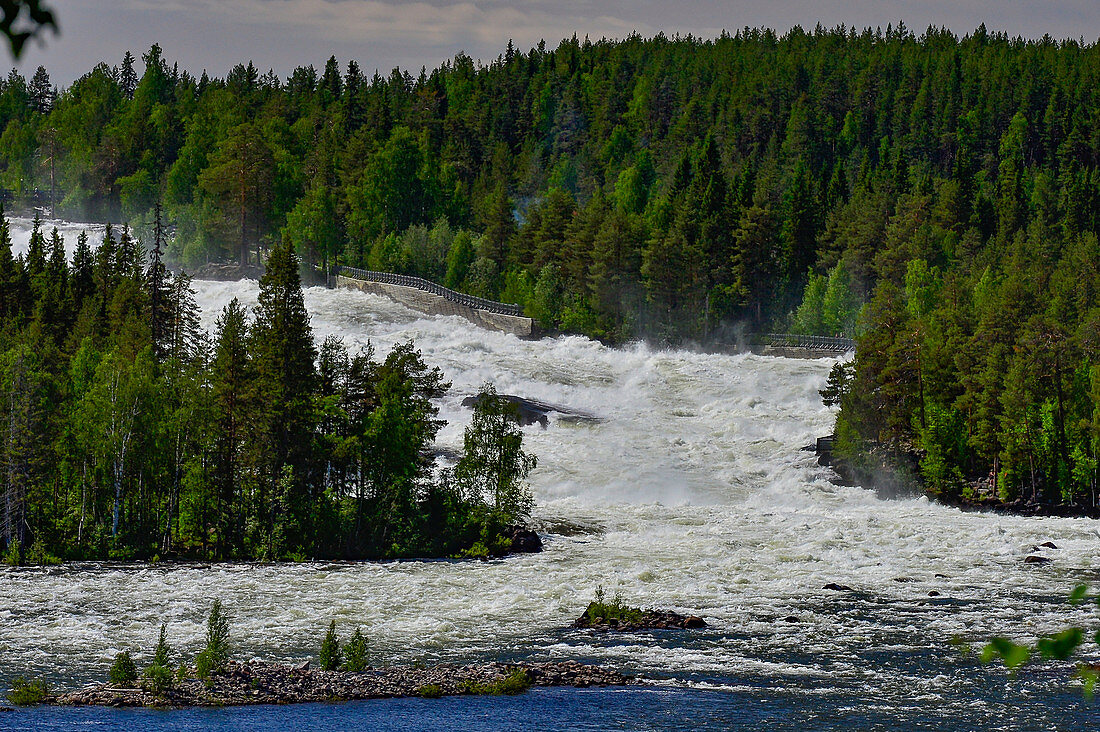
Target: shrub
28,692
617,609
355,653
430,691
160,655
204,665
516,682
477,551
40,556
14,554
215,655
330,649
123,671
158,679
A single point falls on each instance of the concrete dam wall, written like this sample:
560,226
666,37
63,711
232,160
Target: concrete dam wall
431,303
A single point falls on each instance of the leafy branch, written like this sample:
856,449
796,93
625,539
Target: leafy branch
1061,646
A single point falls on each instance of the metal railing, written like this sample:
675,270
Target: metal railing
811,342
477,303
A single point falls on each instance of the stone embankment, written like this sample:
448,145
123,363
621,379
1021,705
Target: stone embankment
269,683
432,304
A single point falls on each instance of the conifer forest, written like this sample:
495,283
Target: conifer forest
932,195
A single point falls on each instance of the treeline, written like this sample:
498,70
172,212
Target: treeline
130,432
645,187
937,195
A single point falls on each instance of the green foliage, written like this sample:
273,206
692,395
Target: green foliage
163,651
157,679
13,555
39,555
1061,646
1013,654
838,384
516,682
430,691
493,468
141,438
28,692
601,610
215,654
123,672
356,659
331,657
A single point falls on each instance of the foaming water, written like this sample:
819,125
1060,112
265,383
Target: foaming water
20,229
693,494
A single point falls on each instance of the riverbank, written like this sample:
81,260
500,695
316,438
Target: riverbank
256,682
897,476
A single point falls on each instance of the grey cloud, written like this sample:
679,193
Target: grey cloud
281,34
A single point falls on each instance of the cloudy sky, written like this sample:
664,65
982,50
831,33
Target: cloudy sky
281,34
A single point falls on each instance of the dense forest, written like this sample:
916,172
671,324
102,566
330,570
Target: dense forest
129,432
935,196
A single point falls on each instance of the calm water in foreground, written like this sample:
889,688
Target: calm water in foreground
693,495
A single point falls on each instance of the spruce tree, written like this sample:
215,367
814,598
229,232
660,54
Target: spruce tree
9,297
127,77
284,356
159,286
230,378
82,281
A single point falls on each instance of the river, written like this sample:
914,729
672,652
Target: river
694,494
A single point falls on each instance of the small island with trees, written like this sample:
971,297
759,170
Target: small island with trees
133,434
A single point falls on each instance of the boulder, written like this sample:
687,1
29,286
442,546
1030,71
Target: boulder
1035,559
837,588
525,541
649,620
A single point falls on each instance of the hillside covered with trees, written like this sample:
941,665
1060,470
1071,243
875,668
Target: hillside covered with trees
936,196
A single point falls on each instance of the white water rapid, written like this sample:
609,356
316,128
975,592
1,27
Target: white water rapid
693,495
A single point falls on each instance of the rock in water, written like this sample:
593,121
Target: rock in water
649,620
837,588
525,541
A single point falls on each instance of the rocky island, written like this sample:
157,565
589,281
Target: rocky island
258,682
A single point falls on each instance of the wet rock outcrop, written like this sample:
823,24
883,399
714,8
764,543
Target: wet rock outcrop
532,411
646,620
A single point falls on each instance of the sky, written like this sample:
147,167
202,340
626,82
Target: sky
215,35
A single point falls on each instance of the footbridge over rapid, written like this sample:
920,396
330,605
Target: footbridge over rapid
434,299
793,345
